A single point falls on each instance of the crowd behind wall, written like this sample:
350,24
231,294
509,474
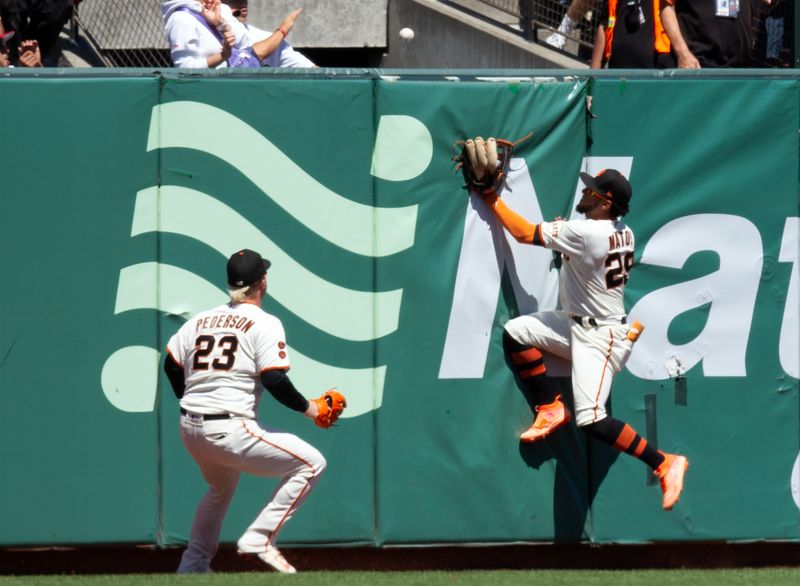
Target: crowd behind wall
773,26
773,29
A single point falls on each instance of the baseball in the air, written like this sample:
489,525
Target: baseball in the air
406,33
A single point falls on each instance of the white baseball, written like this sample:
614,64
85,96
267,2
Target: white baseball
406,33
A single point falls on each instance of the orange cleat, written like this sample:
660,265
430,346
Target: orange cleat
549,418
670,473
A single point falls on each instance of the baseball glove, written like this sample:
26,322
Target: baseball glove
329,407
484,163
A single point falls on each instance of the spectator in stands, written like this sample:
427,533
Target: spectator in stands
775,34
206,34
575,13
29,55
39,20
630,36
710,33
284,55
202,34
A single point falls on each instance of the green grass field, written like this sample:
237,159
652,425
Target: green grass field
733,577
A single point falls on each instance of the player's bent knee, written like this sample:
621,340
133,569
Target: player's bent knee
510,344
320,465
317,463
310,463
587,419
513,330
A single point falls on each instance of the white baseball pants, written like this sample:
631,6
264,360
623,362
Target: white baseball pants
597,354
225,448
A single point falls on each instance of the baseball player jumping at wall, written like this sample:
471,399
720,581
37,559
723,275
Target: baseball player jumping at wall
217,363
591,328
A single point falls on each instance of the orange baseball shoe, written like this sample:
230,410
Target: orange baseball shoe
670,473
549,418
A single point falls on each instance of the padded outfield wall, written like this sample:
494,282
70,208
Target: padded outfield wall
123,193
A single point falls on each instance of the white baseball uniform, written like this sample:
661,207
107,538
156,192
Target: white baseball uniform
223,352
590,328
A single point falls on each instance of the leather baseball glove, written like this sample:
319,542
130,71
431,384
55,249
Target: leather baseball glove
329,406
484,164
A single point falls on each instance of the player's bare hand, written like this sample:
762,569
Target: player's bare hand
212,12
313,410
29,54
288,22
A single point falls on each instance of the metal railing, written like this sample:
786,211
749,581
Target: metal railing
538,19
125,33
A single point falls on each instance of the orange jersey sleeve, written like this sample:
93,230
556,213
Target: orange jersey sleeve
520,228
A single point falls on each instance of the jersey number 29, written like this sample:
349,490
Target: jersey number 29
204,345
619,266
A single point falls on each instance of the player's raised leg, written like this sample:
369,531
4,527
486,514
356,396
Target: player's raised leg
598,355
524,340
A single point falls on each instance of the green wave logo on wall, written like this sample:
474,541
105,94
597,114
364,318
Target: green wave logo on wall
403,150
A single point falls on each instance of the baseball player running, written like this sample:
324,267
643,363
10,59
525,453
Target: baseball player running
217,363
591,329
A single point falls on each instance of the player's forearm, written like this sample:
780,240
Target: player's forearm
520,228
280,387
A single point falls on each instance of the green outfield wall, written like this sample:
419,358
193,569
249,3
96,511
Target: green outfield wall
123,193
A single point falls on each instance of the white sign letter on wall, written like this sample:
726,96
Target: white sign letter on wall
730,291
789,348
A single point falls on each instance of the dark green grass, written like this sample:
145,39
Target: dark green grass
731,577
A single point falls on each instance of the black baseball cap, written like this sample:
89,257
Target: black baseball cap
612,184
246,267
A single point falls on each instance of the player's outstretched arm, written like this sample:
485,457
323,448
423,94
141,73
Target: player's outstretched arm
324,411
520,228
